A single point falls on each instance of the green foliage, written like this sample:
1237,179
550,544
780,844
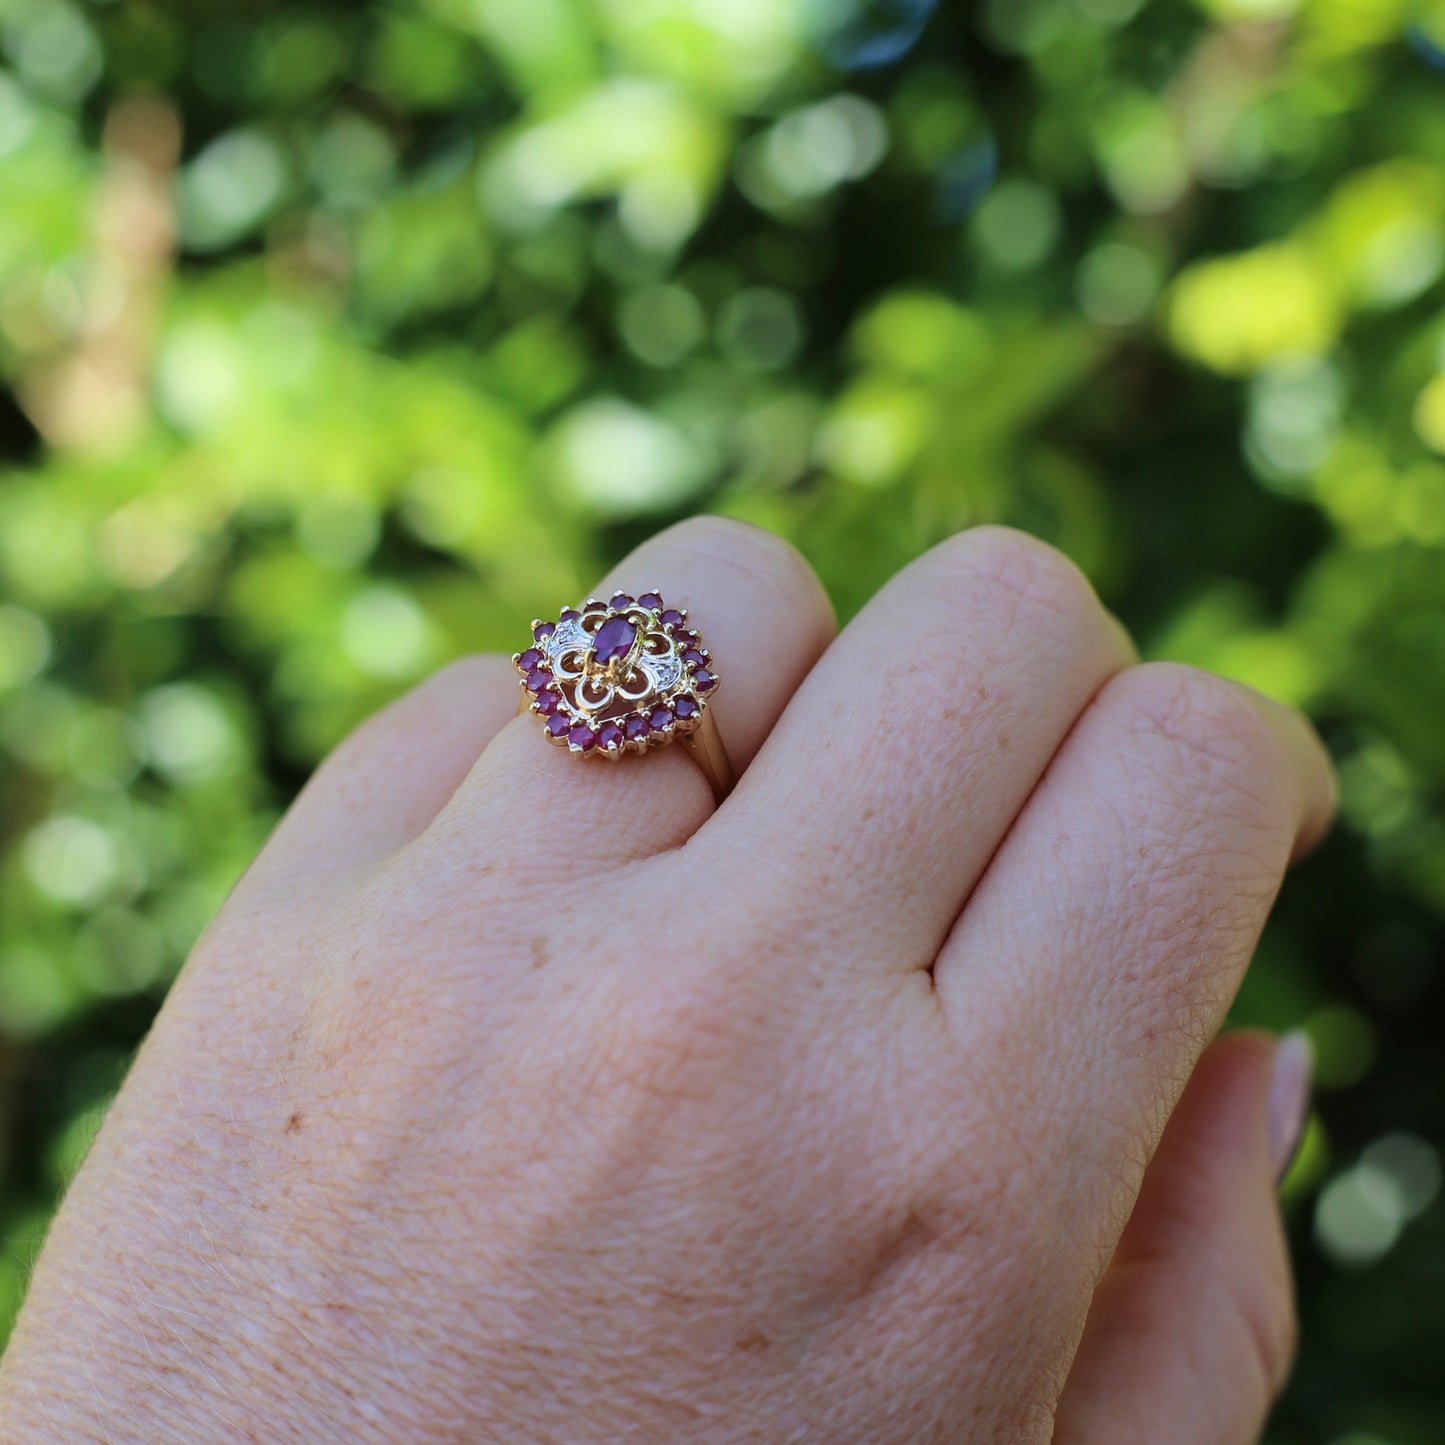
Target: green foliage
338,339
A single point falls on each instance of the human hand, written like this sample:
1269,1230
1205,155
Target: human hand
516,1099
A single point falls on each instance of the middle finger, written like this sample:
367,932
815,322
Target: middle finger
916,740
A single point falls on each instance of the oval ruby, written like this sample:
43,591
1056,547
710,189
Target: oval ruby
614,640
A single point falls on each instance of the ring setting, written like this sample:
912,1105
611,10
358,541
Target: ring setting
617,677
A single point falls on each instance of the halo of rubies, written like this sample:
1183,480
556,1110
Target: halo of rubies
646,680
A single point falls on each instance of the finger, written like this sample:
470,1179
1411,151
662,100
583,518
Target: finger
391,776
886,787
765,618
1110,934
1191,1331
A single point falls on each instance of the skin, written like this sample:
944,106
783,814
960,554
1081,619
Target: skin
522,1100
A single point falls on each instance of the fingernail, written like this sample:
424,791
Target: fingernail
1289,1097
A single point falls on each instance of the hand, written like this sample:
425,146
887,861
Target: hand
517,1099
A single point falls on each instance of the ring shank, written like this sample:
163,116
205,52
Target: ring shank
707,750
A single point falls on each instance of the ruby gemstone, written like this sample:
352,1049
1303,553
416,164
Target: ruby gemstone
530,659
693,657
637,727
582,737
660,717
544,629
548,702
614,640
620,600
570,615
610,736
685,708
559,725
537,679
703,680
672,617
650,600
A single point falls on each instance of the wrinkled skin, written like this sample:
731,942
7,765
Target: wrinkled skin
512,1098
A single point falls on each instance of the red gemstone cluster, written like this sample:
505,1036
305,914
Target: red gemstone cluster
609,678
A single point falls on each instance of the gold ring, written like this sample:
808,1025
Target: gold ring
625,676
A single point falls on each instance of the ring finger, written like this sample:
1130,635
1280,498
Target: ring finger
765,618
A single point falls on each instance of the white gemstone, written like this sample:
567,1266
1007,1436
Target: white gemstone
567,638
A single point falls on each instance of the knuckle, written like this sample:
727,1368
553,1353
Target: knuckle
762,554
1024,567
978,1180
1198,710
1215,740
763,561
729,533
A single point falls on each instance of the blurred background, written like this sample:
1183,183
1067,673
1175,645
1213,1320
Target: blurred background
337,339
